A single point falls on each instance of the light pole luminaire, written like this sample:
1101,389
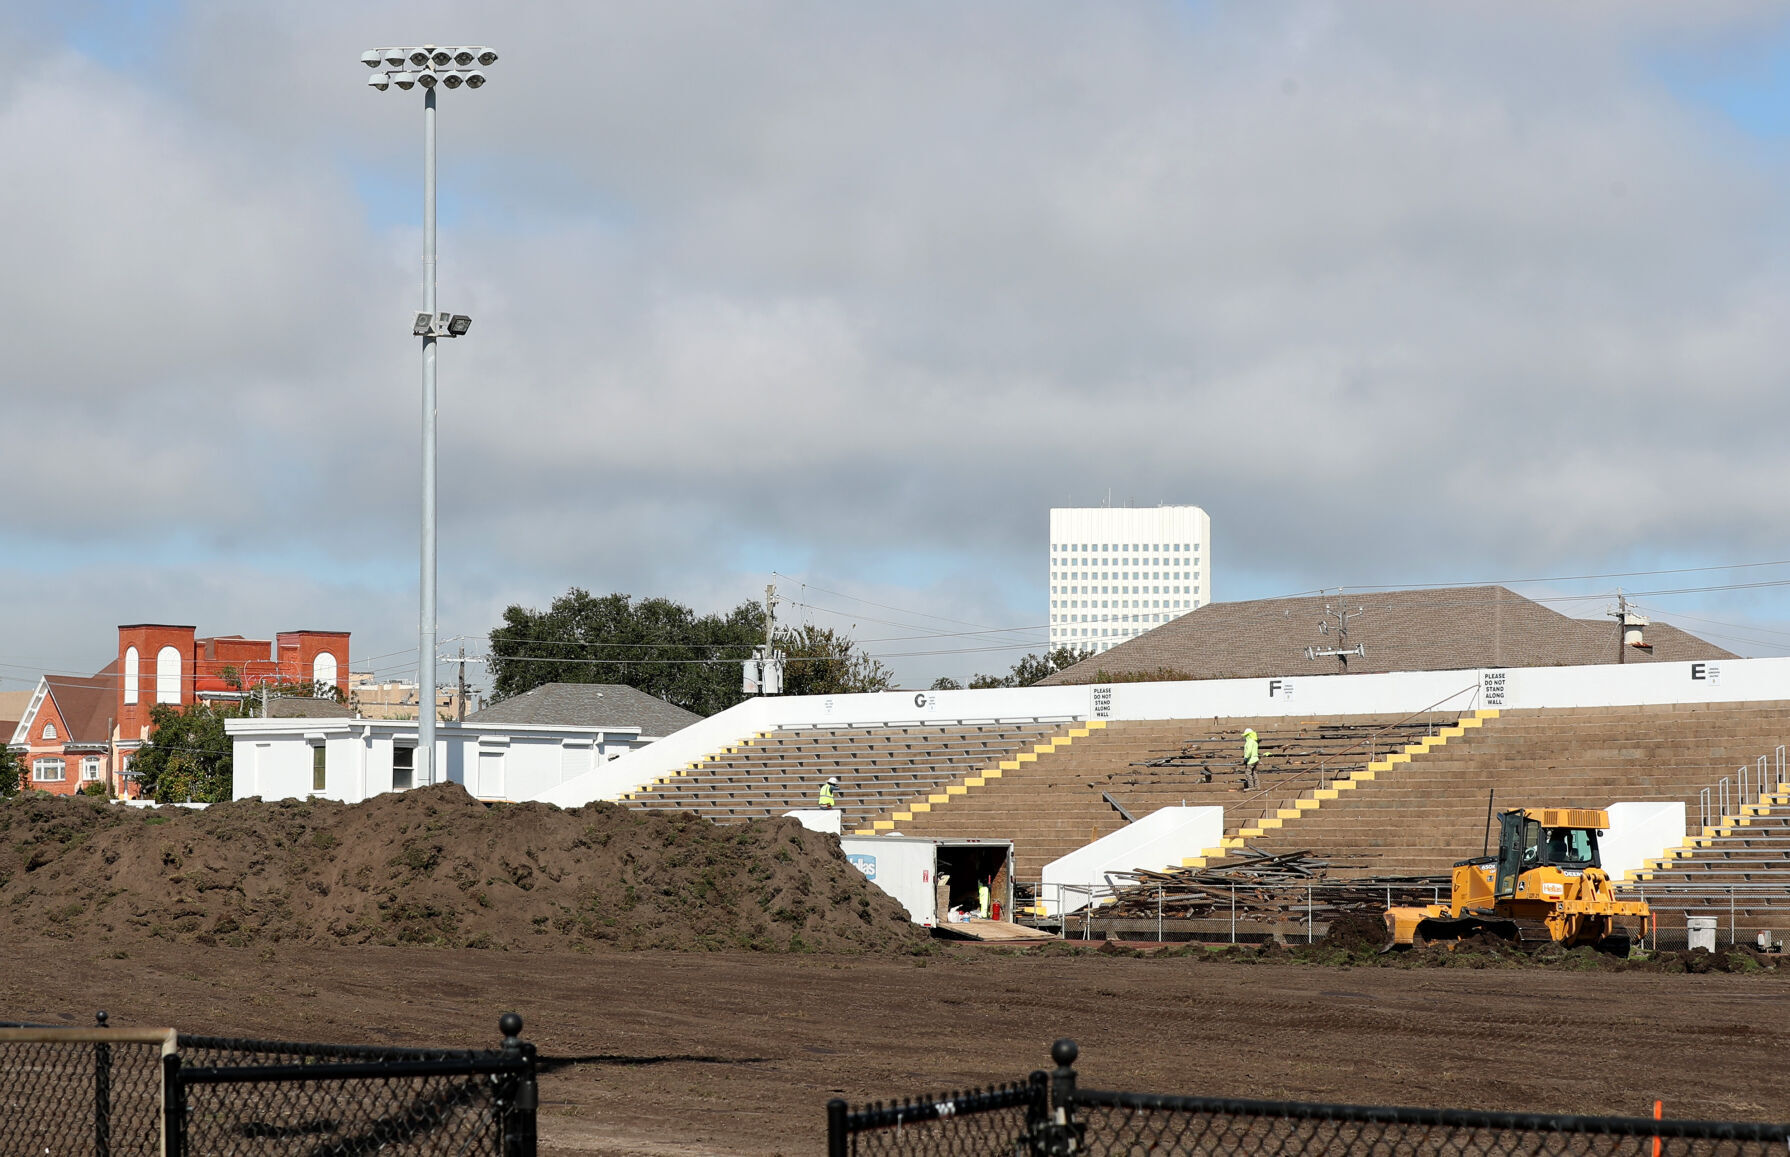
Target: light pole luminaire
427,68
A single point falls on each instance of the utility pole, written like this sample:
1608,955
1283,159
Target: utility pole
460,710
770,616
1342,650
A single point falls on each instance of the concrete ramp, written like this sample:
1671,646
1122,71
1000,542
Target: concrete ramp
1161,839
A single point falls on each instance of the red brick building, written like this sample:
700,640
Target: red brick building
82,730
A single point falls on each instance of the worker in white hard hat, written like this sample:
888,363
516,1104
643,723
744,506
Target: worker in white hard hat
826,792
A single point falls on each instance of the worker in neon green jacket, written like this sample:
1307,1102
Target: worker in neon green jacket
826,792
1252,755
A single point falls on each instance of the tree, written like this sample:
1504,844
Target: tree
12,774
666,649
187,756
946,683
824,662
1030,669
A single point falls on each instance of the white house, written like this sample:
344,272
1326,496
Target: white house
514,750
353,759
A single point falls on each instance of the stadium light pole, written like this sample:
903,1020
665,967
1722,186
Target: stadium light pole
429,67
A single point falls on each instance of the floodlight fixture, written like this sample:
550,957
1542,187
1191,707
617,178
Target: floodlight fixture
466,57
452,80
374,58
404,80
458,325
424,323
427,79
486,57
419,58
380,81
441,57
475,79
396,57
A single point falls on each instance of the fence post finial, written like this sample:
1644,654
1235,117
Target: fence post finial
99,1018
1062,1135
510,1025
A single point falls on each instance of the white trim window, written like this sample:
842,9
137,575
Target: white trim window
90,769
49,732
48,771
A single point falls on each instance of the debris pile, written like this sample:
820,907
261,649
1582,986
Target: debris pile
1264,888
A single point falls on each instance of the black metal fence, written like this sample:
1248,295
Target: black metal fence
1049,1116
119,1092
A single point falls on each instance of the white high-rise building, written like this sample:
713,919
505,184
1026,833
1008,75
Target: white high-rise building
1115,573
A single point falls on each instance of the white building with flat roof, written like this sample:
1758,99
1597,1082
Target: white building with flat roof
1115,573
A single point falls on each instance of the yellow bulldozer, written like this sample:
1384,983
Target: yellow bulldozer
1546,884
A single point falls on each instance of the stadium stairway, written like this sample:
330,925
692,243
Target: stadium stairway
1736,870
877,767
1063,795
1421,815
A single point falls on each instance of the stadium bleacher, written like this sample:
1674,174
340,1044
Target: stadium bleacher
877,767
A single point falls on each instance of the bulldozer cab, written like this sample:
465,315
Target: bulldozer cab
1542,837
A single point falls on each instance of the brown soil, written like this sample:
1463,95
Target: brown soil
433,867
739,1052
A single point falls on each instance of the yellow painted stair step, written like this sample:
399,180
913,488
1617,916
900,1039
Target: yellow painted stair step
1248,833
919,807
957,789
1325,793
883,825
1270,823
903,817
1288,813
974,781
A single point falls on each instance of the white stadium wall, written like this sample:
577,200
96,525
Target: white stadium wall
1396,693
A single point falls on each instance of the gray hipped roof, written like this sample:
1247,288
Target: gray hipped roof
588,705
1414,630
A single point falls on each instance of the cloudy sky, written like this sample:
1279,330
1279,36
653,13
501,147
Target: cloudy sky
1400,293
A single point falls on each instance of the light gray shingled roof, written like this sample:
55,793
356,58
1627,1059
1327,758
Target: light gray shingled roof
1414,630
588,705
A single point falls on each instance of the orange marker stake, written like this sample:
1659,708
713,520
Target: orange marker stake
1657,1105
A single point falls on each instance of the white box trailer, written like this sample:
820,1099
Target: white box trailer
909,867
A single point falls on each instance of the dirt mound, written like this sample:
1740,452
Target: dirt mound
434,866
1357,932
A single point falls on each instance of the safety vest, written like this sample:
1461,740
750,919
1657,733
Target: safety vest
1251,751
826,795
982,897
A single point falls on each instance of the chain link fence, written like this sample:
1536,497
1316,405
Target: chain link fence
99,1094
119,1092
1050,1116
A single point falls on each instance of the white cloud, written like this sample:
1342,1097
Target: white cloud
1396,293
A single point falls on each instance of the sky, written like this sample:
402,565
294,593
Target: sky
846,297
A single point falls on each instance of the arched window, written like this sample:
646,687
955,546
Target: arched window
323,670
167,675
132,673
49,731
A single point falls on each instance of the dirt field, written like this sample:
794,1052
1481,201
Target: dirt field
774,1036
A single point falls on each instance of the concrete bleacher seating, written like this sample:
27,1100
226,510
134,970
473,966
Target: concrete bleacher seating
1053,805
1422,816
877,767
1736,870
